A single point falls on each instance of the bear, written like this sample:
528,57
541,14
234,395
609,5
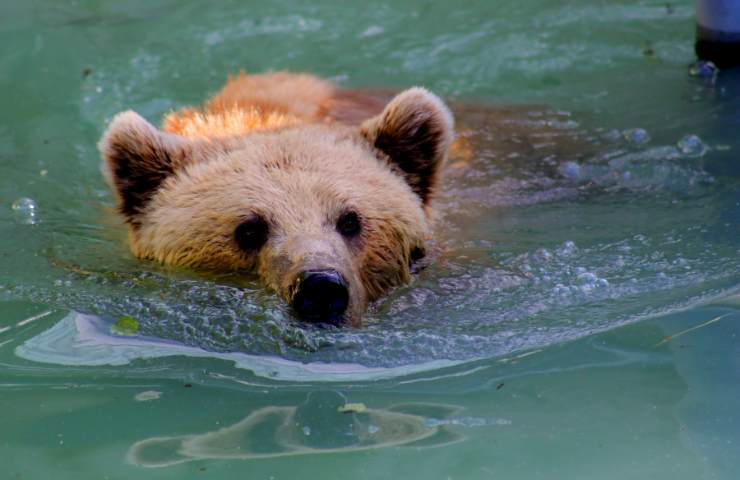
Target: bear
325,194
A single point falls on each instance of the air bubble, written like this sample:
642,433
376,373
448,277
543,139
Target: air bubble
570,170
691,146
568,248
612,135
543,254
307,431
25,210
703,69
636,136
587,278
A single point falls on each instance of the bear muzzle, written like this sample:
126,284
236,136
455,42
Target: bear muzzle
321,296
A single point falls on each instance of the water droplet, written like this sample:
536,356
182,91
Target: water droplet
691,146
587,278
570,170
25,210
636,136
568,248
612,135
680,261
372,31
543,254
703,69
306,430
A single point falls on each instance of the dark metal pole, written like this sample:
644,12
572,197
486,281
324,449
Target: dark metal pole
718,32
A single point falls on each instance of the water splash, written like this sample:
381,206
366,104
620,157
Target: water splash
691,146
547,231
703,69
636,136
25,211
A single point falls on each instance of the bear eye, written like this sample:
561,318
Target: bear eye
416,254
349,224
251,234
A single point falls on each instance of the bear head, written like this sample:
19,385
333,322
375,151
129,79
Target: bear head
329,216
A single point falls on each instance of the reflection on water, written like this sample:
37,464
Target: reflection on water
319,425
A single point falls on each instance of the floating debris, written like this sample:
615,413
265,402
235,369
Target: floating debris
352,408
33,318
125,326
696,327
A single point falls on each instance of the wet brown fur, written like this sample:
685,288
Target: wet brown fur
297,151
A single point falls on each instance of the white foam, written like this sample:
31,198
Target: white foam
85,340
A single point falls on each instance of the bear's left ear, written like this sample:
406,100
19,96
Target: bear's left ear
414,130
139,158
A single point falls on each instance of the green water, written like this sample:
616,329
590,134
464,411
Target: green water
545,342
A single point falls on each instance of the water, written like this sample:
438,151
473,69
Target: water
591,212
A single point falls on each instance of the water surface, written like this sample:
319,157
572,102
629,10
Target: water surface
599,196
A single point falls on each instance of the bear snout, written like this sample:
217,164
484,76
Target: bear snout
321,296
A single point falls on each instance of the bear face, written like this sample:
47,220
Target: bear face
330,216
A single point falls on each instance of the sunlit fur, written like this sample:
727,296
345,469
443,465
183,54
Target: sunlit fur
267,145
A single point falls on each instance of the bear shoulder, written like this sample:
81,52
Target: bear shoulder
272,101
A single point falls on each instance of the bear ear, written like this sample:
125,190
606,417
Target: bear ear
139,158
414,130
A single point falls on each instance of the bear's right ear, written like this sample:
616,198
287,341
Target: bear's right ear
139,158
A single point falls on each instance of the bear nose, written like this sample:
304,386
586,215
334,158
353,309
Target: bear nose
321,296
